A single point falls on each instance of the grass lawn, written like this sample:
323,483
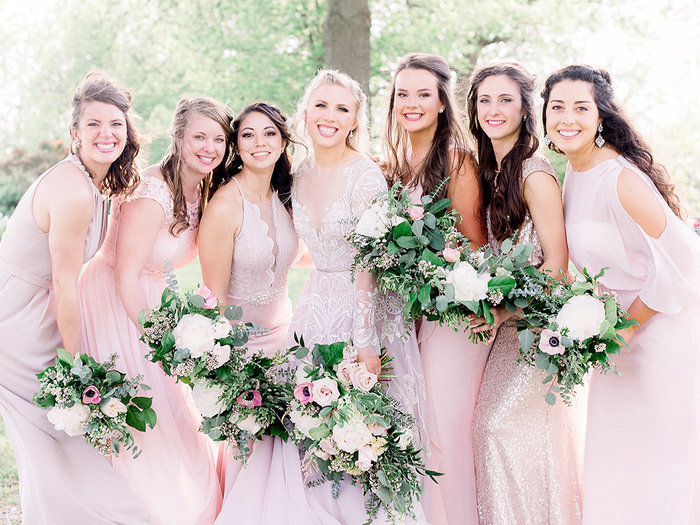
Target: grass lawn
188,279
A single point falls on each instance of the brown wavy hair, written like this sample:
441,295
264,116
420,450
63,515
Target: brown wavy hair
122,176
171,165
282,173
617,128
503,194
449,135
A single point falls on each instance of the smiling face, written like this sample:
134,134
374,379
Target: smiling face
417,102
259,142
203,144
330,116
102,133
499,109
572,116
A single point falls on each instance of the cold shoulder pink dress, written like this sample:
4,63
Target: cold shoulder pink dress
63,480
453,367
175,475
263,252
642,456
528,454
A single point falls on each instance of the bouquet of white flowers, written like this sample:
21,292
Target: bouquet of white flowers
349,426
93,400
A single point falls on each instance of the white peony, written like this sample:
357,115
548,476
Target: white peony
582,315
469,285
222,328
303,422
352,436
375,221
221,353
365,457
195,333
112,407
71,420
250,425
206,398
325,391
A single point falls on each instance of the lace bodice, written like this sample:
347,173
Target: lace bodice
527,231
263,252
178,250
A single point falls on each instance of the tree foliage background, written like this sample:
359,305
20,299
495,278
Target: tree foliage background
242,50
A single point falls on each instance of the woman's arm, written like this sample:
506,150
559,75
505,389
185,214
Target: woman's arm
463,189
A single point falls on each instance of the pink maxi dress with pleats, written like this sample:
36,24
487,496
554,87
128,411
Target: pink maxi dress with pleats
63,480
175,475
642,456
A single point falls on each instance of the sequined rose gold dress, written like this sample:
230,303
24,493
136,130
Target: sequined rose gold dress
527,453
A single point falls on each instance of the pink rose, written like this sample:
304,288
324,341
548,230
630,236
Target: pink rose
91,395
377,429
210,300
250,399
303,393
365,457
550,342
345,372
325,391
451,254
416,212
364,379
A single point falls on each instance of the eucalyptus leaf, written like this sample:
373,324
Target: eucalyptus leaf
526,338
233,312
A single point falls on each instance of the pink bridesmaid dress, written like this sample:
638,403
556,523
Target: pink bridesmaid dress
63,480
264,250
452,366
175,475
642,456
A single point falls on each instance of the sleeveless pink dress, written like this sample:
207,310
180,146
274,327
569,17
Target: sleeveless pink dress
453,367
263,252
63,480
175,475
527,454
642,456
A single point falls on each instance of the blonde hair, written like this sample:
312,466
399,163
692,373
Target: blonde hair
358,139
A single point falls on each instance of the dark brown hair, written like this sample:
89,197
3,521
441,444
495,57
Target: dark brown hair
617,128
122,176
503,194
449,135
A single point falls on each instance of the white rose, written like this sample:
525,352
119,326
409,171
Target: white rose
328,446
405,439
363,379
206,398
222,328
469,285
195,333
365,457
353,435
320,453
582,315
345,371
250,425
325,391
70,420
112,407
377,429
375,221
221,353
303,422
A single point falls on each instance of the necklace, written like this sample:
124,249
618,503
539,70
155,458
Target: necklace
260,197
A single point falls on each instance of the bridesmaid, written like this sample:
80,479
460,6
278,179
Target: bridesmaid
175,475
58,224
425,143
525,451
247,244
643,432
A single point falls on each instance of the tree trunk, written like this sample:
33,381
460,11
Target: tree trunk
346,38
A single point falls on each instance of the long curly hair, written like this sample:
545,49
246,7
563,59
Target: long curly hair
122,176
617,128
282,173
449,135
503,193
171,165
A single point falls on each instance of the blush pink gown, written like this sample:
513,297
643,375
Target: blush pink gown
175,475
452,366
264,250
63,480
642,457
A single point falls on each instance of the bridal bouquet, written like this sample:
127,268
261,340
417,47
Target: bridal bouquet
417,252
93,400
570,330
349,426
238,395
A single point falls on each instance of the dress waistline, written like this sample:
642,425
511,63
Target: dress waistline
26,275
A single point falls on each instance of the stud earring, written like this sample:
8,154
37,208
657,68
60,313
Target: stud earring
524,118
599,140
351,133
78,143
547,140
441,110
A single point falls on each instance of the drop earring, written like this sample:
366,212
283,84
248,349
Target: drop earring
599,140
547,140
